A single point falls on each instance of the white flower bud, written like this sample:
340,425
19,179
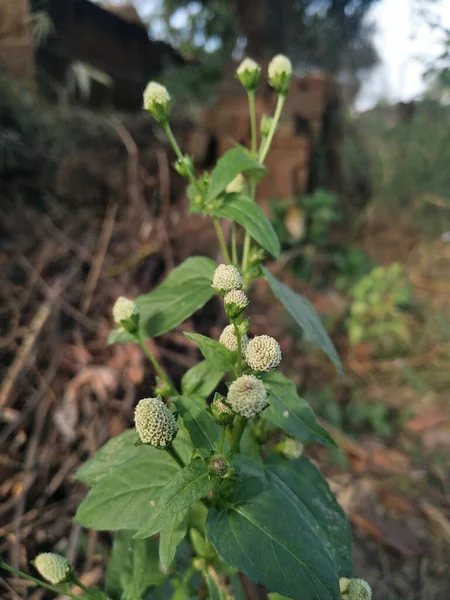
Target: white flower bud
226,279
229,340
280,73
126,313
358,589
248,73
247,396
236,185
263,353
221,413
235,303
292,448
156,101
155,423
53,567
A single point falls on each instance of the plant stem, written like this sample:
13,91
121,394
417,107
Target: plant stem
234,255
265,146
81,586
248,239
222,243
251,103
240,424
52,588
175,456
154,362
221,440
239,348
176,147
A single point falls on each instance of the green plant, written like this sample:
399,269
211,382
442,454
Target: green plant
190,470
377,313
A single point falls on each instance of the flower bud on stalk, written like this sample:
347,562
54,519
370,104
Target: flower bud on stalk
221,413
280,74
263,353
155,423
357,589
291,448
235,303
266,125
53,567
184,166
248,74
226,279
229,340
157,101
218,465
247,396
126,314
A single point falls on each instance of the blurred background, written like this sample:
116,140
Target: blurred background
358,191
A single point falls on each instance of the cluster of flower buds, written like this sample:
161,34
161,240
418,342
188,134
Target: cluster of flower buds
247,396
155,423
354,589
157,101
126,314
53,567
279,74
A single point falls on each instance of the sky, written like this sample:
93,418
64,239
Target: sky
404,45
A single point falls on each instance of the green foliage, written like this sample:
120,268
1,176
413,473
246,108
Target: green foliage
377,312
171,535
214,353
230,165
201,380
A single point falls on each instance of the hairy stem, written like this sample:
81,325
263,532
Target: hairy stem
53,588
222,243
155,363
240,424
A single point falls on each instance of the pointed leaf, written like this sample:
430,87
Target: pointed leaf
201,380
290,412
202,429
245,212
301,481
171,535
133,567
269,540
186,290
185,487
214,352
303,312
232,163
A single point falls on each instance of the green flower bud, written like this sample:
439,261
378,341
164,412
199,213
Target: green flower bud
236,185
343,585
266,125
280,74
229,340
155,423
256,257
244,327
53,567
221,413
201,546
235,303
263,353
218,465
247,396
248,74
157,101
226,279
162,388
184,166
199,564
358,589
126,314
291,448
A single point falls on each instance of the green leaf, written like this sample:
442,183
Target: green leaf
242,210
228,167
186,290
304,484
214,352
201,380
171,535
202,429
133,567
290,412
184,488
124,497
116,452
96,595
303,312
270,541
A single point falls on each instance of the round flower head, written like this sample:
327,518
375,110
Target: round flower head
222,414
263,353
236,185
229,340
358,589
53,567
154,422
235,303
248,74
292,448
126,313
247,396
226,279
218,465
280,73
156,101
